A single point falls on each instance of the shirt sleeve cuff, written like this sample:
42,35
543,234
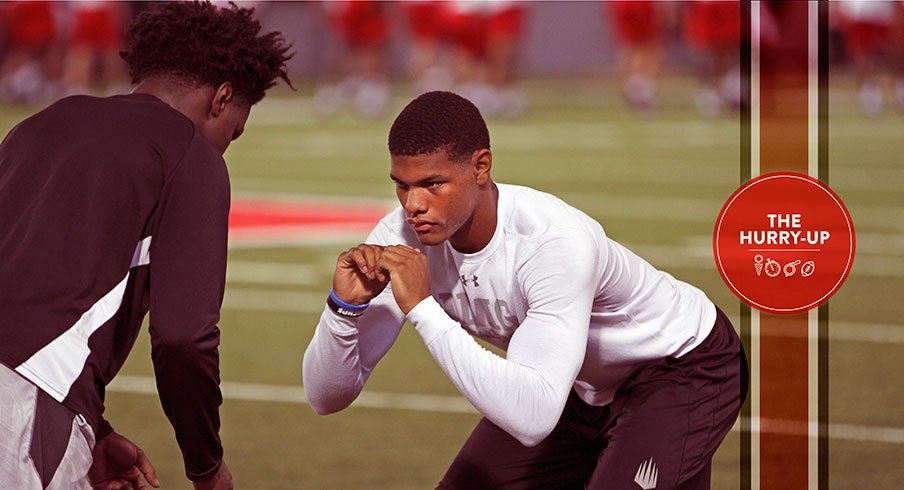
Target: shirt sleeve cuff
338,324
103,429
205,475
430,319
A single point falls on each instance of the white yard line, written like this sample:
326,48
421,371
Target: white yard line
252,272
280,301
886,263
306,302
145,385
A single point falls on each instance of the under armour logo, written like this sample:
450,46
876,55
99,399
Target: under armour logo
473,280
647,474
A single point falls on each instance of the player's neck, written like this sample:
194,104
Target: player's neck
476,234
192,101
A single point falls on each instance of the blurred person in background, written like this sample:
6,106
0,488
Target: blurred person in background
357,76
485,35
713,29
96,30
637,29
30,69
97,197
868,28
897,48
427,65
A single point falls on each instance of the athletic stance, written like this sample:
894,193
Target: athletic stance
111,207
617,375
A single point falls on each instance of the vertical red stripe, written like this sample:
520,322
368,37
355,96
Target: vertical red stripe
783,401
783,339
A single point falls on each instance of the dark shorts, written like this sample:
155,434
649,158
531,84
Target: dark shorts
660,431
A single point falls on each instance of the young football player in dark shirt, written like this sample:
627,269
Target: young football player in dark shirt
110,208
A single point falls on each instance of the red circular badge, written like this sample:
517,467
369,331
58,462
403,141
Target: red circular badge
784,243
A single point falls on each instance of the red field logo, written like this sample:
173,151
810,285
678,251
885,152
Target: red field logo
784,243
269,221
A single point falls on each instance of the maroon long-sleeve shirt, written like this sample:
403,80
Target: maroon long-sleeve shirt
110,207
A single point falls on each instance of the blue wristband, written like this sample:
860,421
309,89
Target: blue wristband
345,305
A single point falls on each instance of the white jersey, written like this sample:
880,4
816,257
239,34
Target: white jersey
571,308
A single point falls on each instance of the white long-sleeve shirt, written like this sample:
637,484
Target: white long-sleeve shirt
571,308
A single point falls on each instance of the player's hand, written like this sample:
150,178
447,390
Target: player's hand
222,480
119,464
358,279
409,274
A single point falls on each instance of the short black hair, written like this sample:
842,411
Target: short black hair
439,121
208,45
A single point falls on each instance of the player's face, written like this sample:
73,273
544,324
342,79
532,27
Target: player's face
439,196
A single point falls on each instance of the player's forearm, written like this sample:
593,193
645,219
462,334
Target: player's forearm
516,397
187,372
331,369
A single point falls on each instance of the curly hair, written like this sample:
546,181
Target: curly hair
439,121
208,45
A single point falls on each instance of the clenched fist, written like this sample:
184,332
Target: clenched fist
362,272
358,279
409,274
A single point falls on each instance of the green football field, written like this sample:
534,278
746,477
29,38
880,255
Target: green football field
656,182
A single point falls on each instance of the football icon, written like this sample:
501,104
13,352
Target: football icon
808,268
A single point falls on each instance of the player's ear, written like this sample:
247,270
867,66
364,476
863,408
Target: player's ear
482,161
223,95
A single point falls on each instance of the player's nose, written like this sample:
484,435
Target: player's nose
416,201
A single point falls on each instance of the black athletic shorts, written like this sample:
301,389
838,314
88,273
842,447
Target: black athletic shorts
660,431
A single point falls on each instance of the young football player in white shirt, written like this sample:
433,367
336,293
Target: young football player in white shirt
616,374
